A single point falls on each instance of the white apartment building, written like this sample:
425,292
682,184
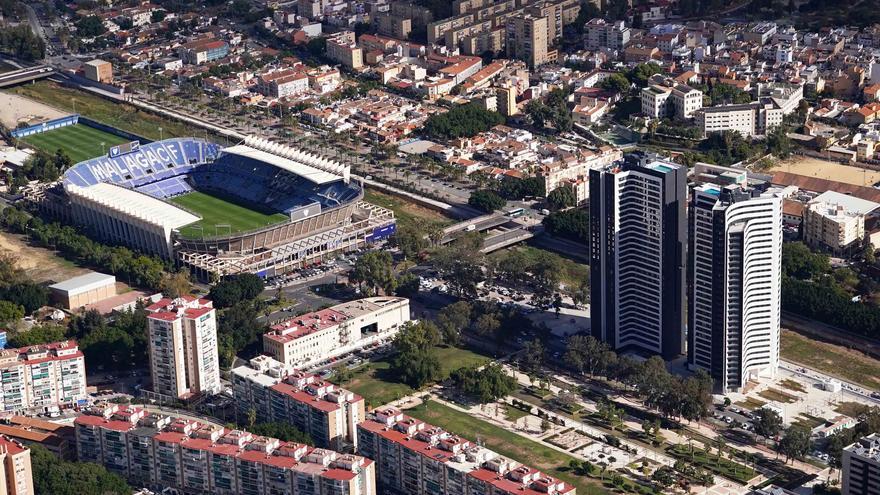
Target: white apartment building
183,347
676,100
341,329
734,283
281,84
42,378
638,241
560,173
326,412
599,33
739,118
196,458
835,223
860,467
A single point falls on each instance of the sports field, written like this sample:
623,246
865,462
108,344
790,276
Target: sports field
79,141
217,213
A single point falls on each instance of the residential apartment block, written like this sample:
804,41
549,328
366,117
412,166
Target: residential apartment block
341,48
835,223
337,330
283,83
203,51
16,477
599,33
528,39
197,458
415,458
664,98
860,467
638,245
183,347
328,413
734,284
42,378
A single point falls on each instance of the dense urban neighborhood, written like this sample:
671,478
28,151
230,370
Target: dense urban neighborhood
411,247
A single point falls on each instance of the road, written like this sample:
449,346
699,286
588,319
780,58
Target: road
36,26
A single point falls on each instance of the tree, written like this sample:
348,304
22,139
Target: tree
90,26
561,198
176,284
486,200
767,422
58,477
27,294
22,43
157,16
10,312
640,74
236,288
376,271
41,334
795,443
465,120
532,358
452,319
416,361
487,384
779,143
571,224
616,83
283,431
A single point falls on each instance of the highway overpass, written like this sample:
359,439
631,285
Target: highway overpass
480,224
25,75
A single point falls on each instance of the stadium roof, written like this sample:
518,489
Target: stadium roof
299,158
135,204
305,171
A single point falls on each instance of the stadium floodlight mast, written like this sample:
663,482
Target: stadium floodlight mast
102,147
160,133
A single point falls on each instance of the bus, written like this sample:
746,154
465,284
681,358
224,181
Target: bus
515,212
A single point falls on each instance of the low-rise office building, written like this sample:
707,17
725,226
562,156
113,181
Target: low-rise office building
328,413
341,329
83,290
197,458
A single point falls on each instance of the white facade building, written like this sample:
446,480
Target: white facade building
331,332
41,378
599,33
183,347
734,275
835,222
672,100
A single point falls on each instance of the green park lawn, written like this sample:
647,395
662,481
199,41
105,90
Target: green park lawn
377,384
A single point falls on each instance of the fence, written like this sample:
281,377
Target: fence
45,126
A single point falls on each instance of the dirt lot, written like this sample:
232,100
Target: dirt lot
814,167
14,108
40,264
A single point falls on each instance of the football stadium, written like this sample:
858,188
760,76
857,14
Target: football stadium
257,206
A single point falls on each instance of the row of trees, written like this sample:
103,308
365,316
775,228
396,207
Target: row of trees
113,345
136,269
58,477
570,224
20,42
812,289
486,200
465,120
40,167
674,396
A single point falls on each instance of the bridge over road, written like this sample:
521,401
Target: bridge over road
27,74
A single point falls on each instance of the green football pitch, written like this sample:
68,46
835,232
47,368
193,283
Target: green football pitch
220,216
79,141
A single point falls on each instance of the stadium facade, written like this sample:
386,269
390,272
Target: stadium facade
127,197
